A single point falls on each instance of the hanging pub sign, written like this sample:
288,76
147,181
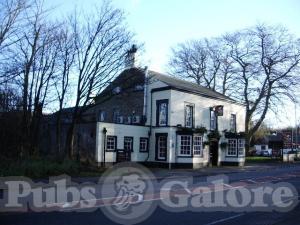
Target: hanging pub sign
219,110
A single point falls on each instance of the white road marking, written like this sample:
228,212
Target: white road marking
227,185
252,181
225,219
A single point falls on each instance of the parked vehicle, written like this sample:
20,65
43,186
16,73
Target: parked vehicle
266,153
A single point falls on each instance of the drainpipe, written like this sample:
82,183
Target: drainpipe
104,144
145,92
146,83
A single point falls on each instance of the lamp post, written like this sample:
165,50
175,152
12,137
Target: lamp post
104,144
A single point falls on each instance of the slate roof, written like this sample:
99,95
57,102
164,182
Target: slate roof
188,86
136,75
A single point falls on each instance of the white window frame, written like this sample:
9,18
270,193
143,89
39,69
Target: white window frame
111,141
241,147
161,156
189,123
161,121
184,144
233,122
198,147
102,115
238,149
212,120
144,144
232,148
128,140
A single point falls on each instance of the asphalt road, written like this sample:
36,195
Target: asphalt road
161,216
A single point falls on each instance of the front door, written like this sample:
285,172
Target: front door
161,147
124,155
213,149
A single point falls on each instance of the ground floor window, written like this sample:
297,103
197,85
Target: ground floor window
236,147
111,143
241,147
197,145
143,144
189,144
128,143
185,145
231,150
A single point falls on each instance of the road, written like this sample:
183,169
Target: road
163,217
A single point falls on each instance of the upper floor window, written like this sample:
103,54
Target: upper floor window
189,115
213,120
233,123
162,112
102,116
139,87
116,114
117,90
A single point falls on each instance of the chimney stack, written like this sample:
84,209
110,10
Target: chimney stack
130,57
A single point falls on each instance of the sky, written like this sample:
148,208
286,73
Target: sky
161,24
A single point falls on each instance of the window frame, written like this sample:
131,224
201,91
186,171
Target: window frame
131,146
192,106
116,114
201,145
101,116
234,149
115,143
212,112
239,145
147,144
157,150
232,122
181,145
158,104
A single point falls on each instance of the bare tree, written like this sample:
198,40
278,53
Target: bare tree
101,42
267,61
190,61
34,63
66,59
205,62
258,66
11,19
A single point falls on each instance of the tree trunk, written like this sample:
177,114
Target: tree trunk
70,136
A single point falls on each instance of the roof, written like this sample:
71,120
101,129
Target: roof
137,75
188,86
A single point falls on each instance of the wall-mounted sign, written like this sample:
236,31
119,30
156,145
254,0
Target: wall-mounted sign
219,110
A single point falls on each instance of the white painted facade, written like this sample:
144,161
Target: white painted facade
176,119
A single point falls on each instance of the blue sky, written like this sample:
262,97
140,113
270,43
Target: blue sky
161,24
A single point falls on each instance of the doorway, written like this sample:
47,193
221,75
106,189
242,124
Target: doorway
161,146
214,152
